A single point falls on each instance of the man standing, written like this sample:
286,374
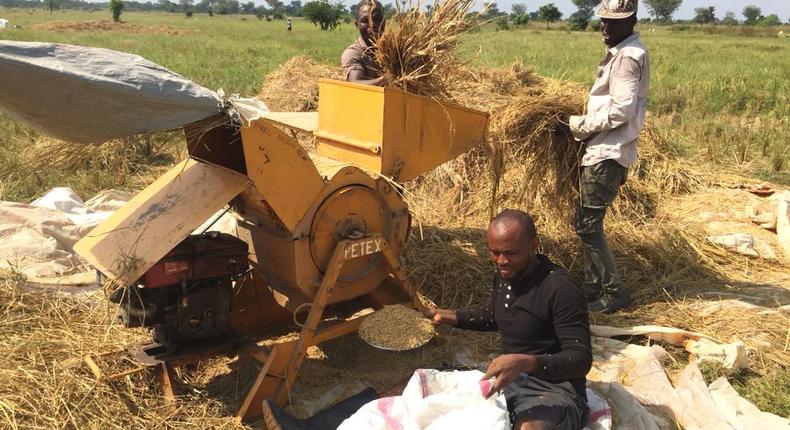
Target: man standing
609,130
358,60
540,313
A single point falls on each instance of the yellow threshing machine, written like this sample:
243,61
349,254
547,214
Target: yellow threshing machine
313,229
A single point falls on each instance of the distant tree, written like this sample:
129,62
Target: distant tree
389,10
248,8
324,14
294,8
752,14
428,9
52,5
116,7
549,13
233,7
770,20
705,15
501,24
493,11
729,19
662,10
595,24
167,6
522,19
579,20
519,15
587,7
534,15
279,12
186,6
274,4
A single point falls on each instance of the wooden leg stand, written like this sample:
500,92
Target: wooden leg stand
281,366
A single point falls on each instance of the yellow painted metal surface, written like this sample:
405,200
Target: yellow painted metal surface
392,132
158,218
281,171
303,121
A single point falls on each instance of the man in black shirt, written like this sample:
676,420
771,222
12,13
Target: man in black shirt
542,317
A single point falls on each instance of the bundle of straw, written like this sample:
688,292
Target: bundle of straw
530,129
417,51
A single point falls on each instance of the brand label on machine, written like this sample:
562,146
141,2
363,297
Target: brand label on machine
176,267
361,249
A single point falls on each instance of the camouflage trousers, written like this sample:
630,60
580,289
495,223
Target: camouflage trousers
599,185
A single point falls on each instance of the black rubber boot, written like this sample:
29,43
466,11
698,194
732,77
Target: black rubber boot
610,302
277,419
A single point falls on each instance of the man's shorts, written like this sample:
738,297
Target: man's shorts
558,404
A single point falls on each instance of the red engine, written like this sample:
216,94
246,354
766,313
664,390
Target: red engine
186,295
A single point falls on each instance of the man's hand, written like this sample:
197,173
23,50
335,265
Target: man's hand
506,369
441,316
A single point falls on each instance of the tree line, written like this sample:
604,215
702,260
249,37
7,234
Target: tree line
659,11
328,14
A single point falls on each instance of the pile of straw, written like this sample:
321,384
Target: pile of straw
417,52
43,337
293,87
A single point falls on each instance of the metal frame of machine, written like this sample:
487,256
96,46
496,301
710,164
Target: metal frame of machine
322,228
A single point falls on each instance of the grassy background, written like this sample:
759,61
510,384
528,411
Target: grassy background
724,97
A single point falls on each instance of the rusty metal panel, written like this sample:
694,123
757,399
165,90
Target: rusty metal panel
158,218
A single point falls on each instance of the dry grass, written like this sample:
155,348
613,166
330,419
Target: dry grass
293,87
664,259
96,26
43,338
417,52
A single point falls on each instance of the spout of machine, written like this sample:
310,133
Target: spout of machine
392,132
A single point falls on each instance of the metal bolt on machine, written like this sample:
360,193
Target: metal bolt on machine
314,230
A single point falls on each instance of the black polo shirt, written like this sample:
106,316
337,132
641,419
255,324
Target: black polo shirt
543,314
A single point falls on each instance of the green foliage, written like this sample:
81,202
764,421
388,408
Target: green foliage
752,14
116,7
595,24
705,15
579,21
493,11
518,9
294,8
662,10
549,13
769,21
501,24
248,8
587,7
324,14
729,19
522,19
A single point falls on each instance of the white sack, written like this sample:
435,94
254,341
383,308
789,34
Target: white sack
90,95
434,400
37,239
450,400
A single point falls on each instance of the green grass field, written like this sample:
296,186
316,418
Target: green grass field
725,98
